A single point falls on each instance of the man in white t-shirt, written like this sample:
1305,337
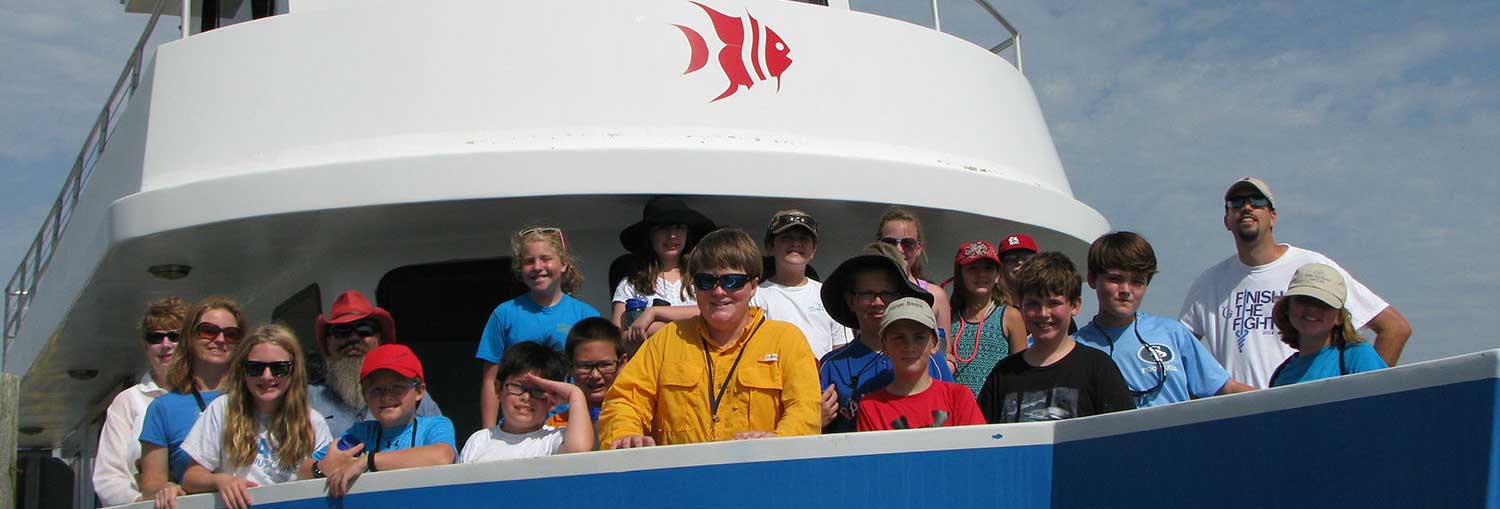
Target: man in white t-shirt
1229,305
789,295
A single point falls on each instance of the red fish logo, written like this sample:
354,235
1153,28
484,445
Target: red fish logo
731,31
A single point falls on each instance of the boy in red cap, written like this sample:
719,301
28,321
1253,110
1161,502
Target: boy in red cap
352,328
392,381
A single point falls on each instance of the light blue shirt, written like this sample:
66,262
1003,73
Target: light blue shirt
429,430
1358,358
521,319
168,421
340,415
1190,372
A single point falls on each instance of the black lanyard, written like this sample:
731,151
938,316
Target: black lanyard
380,434
1161,367
199,398
713,401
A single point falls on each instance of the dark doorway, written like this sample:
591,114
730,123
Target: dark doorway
440,310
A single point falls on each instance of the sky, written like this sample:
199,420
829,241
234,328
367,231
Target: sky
1376,124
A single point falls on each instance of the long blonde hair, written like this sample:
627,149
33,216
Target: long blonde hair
1341,336
180,371
290,428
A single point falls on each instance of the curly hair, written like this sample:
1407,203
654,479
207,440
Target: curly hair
571,278
165,314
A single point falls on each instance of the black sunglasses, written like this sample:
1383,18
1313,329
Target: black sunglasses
706,282
210,331
362,330
1235,202
156,337
279,369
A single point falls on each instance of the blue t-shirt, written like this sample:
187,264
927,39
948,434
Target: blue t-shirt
429,430
856,370
168,421
521,319
1191,372
1358,358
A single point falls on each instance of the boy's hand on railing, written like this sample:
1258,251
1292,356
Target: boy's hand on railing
631,442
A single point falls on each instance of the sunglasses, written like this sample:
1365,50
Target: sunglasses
706,282
210,331
906,243
279,369
885,297
1019,256
1259,202
544,231
156,337
362,330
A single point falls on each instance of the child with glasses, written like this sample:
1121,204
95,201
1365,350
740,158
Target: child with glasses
543,314
262,431
1160,359
199,366
727,374
115,466
901,229
595,351
530,382
393,384
1055,378
913,399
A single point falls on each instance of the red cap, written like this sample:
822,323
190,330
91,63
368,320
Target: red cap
975,250
395,357
352,306
1018,241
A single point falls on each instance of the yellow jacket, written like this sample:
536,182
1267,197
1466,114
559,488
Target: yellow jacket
662,392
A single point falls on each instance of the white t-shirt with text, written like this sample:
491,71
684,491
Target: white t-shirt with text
205,444
803,307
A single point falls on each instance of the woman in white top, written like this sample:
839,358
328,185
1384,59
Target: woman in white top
262,431
115,466
659,241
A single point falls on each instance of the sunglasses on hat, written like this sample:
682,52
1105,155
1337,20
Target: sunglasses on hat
706,282
210,331
156,337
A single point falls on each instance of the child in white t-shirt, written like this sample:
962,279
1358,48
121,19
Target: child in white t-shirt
788,294
262,431
530,384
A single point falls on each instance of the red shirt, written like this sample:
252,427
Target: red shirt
880,408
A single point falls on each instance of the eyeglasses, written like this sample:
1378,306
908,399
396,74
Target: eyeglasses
604,367
906,243
279,369
886,296
1014,257
514,389
211,331
394,390
362,329
706,282
1259,202
544,231
156,337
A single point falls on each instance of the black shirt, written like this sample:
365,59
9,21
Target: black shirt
1084,382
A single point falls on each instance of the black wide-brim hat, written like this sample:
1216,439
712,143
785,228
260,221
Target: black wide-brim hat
875,256
664,210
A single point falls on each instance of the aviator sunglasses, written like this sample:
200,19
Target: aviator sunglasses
210,331
156,337
706,282
279,369
906,243
1259,202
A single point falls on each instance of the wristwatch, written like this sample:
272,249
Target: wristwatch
317,472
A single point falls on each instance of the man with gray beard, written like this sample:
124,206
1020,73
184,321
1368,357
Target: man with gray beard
353,328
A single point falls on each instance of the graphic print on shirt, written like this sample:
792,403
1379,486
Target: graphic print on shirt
1156,351
265,460
1250,310
1051,404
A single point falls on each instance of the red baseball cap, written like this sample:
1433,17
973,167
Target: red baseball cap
975,250
392,356
1018,241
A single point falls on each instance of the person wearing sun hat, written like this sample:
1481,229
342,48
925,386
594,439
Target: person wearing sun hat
856,295
657,243
1229,305
346,334
1312,319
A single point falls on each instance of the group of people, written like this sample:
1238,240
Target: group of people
706,341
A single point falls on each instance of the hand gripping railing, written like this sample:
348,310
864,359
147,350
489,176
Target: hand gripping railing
22,285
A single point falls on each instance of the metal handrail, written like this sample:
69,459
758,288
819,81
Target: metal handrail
21,287
1013,40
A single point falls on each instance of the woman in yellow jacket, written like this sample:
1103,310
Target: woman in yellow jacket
727,374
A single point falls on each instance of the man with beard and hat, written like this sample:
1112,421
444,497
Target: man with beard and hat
352,328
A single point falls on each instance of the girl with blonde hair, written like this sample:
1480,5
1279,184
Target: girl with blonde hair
901,229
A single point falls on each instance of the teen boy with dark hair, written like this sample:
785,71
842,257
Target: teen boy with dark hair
1053,379
1160,359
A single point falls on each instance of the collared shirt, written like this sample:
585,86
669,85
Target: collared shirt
663,392
116,464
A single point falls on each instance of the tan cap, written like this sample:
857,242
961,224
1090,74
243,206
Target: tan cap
908,308
1318,281
1254,183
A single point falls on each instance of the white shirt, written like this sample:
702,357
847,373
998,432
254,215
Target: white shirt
803,307
670,291
115,465
205,444
1229,306
494,444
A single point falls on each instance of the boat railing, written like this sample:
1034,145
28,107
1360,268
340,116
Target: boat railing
1012,40
23,284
